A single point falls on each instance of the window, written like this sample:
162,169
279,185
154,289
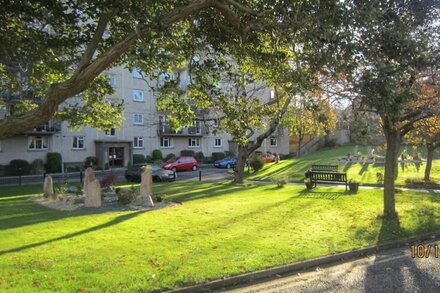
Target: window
218,143
78,142
193,142
165,142
138,142
111,132
197,127
136,73
138,119
38,142
111,80
273,142
138,95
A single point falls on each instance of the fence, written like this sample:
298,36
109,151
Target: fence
57,177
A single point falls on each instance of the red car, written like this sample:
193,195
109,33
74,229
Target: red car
181,163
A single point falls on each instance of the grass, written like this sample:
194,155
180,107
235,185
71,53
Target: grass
219,230
365,173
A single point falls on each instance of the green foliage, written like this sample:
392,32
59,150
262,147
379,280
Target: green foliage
91,162
280,180
157,155
108,180
256,163
200,157
190,153
3,169
218,156
53,162
37,167
170,157
148,159
126,196
18,167
138,159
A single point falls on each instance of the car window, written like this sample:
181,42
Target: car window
155,168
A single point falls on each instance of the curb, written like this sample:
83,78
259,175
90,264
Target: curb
302,265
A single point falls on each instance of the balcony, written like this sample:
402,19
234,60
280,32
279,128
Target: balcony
164,130
48,128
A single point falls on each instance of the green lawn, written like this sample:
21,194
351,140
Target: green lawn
365,173
218,230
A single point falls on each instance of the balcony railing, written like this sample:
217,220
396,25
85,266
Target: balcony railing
190,131
50,127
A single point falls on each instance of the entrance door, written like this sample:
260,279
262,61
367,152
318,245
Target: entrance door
116,157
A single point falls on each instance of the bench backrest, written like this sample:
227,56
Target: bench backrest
328,176
326,168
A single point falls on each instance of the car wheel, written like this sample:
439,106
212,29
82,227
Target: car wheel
194,168
228,166
174,169
157,179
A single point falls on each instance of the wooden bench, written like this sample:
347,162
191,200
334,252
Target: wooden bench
324,168
327,177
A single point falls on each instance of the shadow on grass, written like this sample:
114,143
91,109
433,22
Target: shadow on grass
330,195
115,221
364,168
347,166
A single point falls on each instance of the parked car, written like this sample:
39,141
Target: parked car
181,163
228,162
133,173
267,157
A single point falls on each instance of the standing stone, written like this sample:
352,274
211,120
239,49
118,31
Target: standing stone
415,154
355,151
369,152
92,189
146,188
48,188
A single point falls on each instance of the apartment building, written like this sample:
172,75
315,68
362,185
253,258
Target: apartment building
143,130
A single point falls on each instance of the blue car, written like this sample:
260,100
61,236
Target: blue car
228,162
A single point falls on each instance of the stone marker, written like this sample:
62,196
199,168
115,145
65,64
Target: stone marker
355,151
415,154
92,189
369,152
48,188
146,188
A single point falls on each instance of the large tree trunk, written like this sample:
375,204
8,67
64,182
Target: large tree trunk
393,144
241,160
429,157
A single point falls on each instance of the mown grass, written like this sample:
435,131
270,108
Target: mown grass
219,230
365,173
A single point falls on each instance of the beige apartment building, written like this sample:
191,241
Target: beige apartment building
143,130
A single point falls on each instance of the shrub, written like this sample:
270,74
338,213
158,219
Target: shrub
138,159
108,180
156,155
148,159
199,157
229,153
187,153
126,196
218,156
170,157
256,163
53,163
91,162
37,167
308,183
18,167
3,170
158,198
280,180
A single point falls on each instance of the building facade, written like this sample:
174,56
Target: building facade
143,130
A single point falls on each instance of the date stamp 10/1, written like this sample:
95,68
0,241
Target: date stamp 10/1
424,250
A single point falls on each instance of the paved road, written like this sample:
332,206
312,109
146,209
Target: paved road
208,174
389,271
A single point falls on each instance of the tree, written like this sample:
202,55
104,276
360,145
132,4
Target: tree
53,51
395,43
309,116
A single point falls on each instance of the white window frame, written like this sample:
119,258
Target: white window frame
218,145
193,142
138,95
162,144
111,80
110,132
78,139
138,142
273,139
136,73
34,139
138,121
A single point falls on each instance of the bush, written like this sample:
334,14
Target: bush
257,163
108,180
158,198
199,157
126,196
37,167
156,155
229,153
53,164
280,180
91,162
187,153
18,167
170,157
148,159
3,170
138,159
218,156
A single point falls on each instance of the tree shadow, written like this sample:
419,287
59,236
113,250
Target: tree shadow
115,221
395,270
329,195
364,168
347,166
